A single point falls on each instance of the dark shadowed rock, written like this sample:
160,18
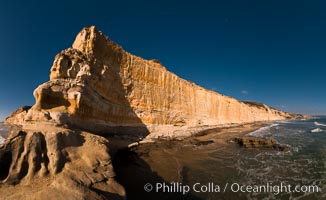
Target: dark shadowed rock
260,142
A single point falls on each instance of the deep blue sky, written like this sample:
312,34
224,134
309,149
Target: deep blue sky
268,51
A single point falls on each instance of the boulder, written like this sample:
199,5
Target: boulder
260,142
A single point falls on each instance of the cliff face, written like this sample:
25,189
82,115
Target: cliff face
98,86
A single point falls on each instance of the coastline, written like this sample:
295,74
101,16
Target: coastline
224,133
202,133
167,160
120,151
214,157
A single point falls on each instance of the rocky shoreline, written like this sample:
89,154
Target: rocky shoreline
152,165
30,163
227,131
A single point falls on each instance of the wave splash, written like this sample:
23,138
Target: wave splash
262,131
319,124
2,140
316,130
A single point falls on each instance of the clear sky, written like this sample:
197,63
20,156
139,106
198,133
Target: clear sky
272,51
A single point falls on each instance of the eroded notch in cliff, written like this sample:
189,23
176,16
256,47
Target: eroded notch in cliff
53,100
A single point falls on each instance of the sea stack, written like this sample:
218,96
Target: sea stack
58,148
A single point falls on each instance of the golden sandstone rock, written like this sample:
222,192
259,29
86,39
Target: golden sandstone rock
97,86
56,163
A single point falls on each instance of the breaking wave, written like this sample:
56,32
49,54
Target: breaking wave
319,124
3,133
2,139
263,131
2,128
317,130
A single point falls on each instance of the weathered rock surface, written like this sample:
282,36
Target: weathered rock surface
56,164
97,86
260,142
18,116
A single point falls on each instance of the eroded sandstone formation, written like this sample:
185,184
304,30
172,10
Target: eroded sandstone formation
97,86
47,162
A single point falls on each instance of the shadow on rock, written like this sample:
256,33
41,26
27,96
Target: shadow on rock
134,173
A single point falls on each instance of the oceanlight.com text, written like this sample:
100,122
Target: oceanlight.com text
230,187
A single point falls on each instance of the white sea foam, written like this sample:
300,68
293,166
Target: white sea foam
262,131
317,130
2,139
319,124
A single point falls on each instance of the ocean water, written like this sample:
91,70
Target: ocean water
3,133
224,164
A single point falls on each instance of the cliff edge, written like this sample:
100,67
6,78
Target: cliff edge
99,87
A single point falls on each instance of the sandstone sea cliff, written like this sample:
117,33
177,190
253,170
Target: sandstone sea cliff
99,87
56,148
